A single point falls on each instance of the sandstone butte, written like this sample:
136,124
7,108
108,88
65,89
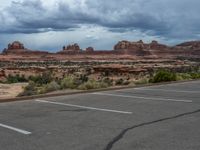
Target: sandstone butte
123,50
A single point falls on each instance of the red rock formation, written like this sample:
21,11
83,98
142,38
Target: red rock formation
157,50
17,48
156,46
126,45
189,45
135,48
14,48
140,45
15,45
89,49
72,48
122,50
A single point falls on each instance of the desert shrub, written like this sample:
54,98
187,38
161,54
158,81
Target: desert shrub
142,81
92,84
11,79
183,76
188,76
44,78
50,87
195,75
69,82
122,82
163,76
119,81
108,81
102,84
83,78
126,82
29,90
16,79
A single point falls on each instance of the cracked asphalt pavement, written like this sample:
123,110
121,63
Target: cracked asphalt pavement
162,117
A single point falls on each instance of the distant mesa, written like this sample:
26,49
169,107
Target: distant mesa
140,45
190,45
89,49
75,49
126,48
15,47
18,48
71,48
127,45
157,46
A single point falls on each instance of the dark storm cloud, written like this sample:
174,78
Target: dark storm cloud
166,18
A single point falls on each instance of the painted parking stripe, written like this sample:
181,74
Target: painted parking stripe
85,107
176,91
144,98
15,129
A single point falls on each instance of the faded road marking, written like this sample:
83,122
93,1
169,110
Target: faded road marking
15,129
85,107
145,98
176,91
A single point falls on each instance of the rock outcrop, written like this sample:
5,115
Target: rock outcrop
140,45
16,45
14,48
17,48
123,49
135,48
157,46
127,45
72,48
192,45
89,49
157,50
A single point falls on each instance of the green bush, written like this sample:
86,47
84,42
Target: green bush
83,78
183,76
50,87
92,84
16,79
29,90
164,76
44,78
122,82
142,81
126,82
69,82
119,81
195,75
108,81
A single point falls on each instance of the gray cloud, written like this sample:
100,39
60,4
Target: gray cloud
175,19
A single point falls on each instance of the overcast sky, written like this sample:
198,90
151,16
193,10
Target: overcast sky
50,24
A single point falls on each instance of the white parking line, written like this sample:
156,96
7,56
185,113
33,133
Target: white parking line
85,107
176,91
145,98
15,129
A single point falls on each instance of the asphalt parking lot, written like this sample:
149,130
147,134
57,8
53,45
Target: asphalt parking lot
163,117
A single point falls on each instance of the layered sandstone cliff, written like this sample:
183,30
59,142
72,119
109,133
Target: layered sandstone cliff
122,50
187,49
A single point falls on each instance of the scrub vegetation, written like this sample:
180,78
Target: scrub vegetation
47,82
